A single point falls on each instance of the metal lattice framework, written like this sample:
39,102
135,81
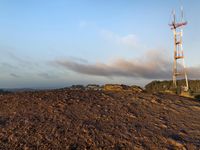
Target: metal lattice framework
179,68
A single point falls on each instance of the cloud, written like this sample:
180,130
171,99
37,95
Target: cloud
153,65
4,65
129,40
14,75
194,72
83,24
78,59
17,59
46,75
12,58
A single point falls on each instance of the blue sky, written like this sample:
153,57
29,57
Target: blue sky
56,43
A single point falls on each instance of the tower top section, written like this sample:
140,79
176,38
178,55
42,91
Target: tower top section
177,24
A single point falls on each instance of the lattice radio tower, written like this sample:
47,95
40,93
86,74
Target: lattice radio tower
179,68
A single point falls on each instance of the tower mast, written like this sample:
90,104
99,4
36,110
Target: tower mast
179,68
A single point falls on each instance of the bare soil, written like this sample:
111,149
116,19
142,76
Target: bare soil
79,119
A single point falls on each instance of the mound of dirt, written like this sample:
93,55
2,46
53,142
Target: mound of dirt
79,119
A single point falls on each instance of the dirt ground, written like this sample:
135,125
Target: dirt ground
79,119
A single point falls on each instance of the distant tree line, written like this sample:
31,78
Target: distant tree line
164,86
3,91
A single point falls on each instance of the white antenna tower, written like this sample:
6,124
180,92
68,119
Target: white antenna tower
177,28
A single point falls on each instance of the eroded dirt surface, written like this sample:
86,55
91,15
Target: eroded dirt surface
67,119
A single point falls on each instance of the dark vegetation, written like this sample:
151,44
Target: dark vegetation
167,86
197,96
4,91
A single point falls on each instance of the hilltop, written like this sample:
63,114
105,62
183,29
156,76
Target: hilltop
98,119
167,87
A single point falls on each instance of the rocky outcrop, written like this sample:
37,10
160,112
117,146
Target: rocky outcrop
93,87
121,87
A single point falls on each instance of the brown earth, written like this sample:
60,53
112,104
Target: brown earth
79,119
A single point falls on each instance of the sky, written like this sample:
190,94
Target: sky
58,43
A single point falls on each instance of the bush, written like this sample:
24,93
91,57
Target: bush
4,92
1,91
197,97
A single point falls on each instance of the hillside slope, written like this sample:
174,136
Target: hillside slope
77,119
162,86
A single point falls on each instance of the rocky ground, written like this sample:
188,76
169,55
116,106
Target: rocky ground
79,119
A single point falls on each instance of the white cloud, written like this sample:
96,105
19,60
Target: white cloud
83,24
129,40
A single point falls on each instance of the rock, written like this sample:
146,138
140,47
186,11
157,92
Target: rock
113,87
117,87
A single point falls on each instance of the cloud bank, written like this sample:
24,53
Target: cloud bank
153,65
